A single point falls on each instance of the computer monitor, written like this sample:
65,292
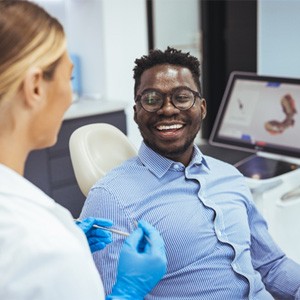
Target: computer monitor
259,114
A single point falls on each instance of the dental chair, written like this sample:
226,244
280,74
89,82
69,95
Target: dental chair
95,149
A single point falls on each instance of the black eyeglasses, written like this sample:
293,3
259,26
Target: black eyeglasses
182,98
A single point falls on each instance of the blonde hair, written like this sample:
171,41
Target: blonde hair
29,37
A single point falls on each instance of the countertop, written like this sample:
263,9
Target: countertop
88,107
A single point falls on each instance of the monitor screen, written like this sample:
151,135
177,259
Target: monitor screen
259,113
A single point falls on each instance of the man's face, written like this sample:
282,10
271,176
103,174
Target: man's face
169,131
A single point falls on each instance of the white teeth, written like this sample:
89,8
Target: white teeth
169,127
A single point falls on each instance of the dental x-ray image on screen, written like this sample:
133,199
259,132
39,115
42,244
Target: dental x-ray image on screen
260,114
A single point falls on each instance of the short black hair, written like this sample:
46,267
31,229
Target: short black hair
169,56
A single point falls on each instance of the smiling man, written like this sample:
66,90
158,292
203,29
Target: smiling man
169,110
217,243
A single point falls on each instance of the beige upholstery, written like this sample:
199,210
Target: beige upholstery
95,149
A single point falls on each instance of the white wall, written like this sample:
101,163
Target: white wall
279,38
125,39
278,54
177,24
82,21
84,28
107,35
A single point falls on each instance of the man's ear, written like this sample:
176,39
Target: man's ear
33,87
203,108
134,111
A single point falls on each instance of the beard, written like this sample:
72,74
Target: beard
171,152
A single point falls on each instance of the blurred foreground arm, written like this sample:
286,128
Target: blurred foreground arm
141,264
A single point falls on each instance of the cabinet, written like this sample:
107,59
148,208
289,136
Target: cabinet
51,169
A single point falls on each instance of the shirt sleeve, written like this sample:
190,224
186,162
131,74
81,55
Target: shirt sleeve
101,203
280,274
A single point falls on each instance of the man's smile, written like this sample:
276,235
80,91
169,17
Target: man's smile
169,127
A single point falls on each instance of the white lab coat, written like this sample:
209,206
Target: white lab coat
43,255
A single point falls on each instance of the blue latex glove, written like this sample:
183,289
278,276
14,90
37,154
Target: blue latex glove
141,264
97,238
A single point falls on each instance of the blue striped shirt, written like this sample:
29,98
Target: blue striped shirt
217,243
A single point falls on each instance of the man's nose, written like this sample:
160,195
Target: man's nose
168,107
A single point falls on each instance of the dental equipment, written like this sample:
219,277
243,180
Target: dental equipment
108,229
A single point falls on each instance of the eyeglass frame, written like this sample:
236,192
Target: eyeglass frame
164,95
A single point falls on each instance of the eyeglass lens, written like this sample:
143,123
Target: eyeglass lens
182,99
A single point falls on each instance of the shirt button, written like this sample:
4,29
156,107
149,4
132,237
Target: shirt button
177,167
234,266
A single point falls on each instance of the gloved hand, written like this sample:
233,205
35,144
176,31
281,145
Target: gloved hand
141,264
97,238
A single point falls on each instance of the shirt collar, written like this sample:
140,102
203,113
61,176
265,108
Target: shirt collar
159,165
